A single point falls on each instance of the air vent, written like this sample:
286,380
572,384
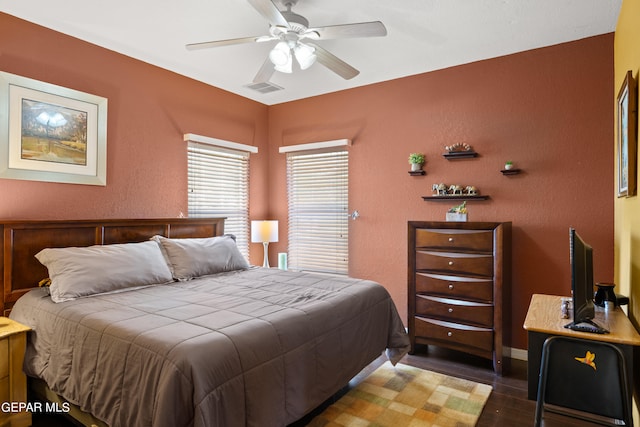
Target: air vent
264,87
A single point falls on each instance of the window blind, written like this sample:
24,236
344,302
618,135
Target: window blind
218,181
317,184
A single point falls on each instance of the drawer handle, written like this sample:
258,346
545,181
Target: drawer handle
450,310
450,286
451,239
450,262
449,334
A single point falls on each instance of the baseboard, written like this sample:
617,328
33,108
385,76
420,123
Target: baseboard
517,353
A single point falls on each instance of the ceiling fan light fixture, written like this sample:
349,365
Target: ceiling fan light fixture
305,55
280,55
286,67
290,30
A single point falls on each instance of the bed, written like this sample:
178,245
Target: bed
243,346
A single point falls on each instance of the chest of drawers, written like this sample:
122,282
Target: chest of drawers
459,281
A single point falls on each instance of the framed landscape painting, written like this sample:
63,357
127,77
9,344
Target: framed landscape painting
51,133
627,139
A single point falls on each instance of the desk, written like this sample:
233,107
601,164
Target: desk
544,320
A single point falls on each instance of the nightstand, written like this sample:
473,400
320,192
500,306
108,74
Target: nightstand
13,381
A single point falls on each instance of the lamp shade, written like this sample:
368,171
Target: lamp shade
281,58
305,55
280,54
264,231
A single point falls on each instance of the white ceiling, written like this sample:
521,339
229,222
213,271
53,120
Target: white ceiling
423,35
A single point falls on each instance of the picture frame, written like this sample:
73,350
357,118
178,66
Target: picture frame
626,137
51,133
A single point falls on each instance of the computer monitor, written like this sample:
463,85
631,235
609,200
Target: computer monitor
581,255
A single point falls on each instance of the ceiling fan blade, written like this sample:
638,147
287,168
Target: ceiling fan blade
270,12
265,72
334,63
362,29
218,43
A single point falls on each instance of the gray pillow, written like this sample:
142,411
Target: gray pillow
190,258
76,272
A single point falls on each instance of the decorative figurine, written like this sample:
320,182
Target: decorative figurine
471,190
455,190
443,189
457,147
439,189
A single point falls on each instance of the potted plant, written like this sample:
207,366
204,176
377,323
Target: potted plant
457,213
416,160
508,165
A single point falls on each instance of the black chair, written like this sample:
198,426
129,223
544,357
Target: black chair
574,384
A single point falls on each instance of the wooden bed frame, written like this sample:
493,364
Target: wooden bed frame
20,271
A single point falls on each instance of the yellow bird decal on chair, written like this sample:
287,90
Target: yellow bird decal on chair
588,359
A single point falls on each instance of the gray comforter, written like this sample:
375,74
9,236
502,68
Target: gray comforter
260,347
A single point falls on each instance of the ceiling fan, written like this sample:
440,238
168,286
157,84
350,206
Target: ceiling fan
296,40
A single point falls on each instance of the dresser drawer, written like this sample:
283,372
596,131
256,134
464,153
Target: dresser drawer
460,263
463,240
470,336
4,357
468,288
475,313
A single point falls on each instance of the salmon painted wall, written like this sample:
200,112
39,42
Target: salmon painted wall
548,110
149,110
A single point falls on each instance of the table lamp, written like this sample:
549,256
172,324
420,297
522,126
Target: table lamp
264,232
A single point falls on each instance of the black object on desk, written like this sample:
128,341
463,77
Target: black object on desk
587,325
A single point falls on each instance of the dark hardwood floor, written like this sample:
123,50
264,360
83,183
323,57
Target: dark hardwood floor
507,406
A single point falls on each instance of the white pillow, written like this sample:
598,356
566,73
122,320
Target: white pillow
189,258
76,272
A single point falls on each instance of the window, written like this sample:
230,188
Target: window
219,186
317,185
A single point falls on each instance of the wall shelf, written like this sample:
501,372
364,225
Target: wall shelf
452,155
510,171
417,173
456,197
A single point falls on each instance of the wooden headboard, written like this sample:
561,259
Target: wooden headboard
20,271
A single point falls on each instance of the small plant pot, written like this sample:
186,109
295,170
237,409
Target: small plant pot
416,167
456,217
